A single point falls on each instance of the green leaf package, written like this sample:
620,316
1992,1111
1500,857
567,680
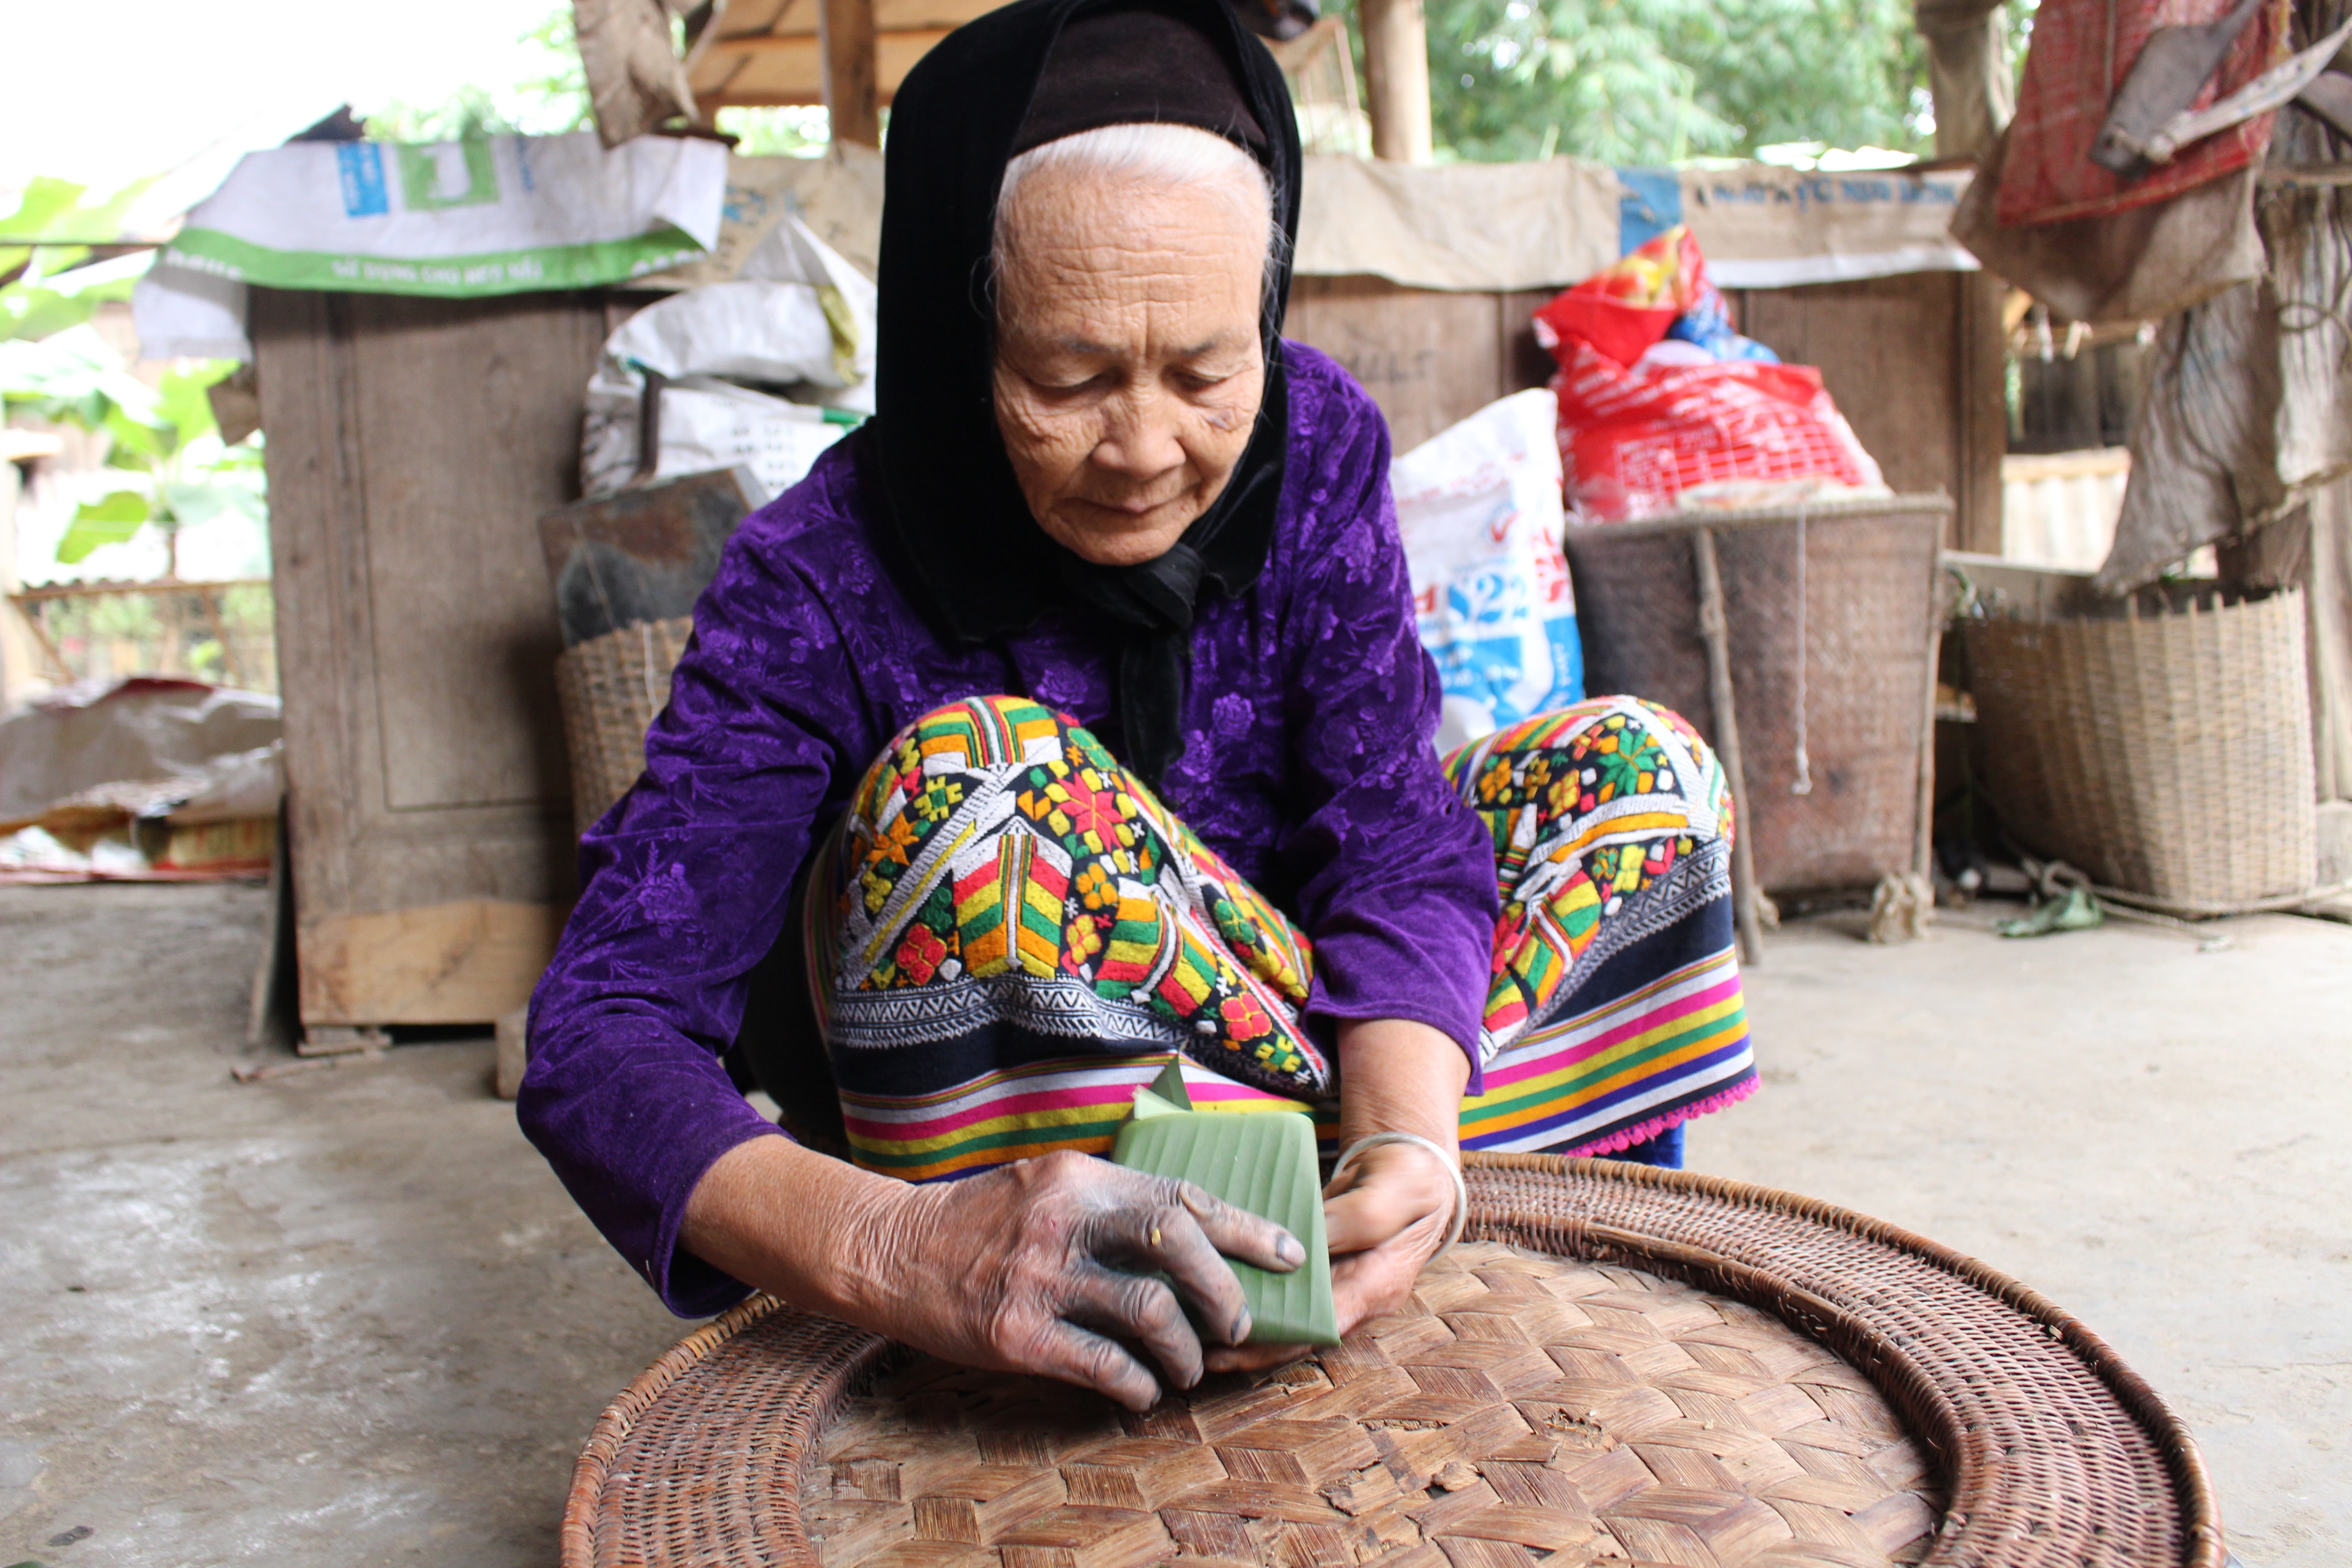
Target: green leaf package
1262,1160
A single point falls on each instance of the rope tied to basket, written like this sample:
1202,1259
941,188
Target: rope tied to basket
1804,781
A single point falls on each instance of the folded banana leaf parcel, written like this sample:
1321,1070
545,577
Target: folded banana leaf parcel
1262,1160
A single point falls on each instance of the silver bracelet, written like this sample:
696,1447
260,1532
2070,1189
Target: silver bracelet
1453,1168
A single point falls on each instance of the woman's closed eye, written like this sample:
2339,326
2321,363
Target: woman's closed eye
1073,383
1076,385
1206,380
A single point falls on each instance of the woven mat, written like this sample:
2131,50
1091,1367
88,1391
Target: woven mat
1629,1367
1526,1406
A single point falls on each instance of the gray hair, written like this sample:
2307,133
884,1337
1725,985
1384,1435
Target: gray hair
1151,154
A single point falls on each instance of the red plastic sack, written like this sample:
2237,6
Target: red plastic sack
1632,441
1628,305
2048,175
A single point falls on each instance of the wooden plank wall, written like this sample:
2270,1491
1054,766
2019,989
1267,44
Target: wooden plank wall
1914,364
1428,359
413,445
1914,361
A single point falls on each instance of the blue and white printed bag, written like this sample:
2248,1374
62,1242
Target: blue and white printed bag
1479,507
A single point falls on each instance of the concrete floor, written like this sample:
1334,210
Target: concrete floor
339,1319
2152,1135
348,1318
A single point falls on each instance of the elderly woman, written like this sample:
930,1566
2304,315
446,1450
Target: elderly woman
1070,717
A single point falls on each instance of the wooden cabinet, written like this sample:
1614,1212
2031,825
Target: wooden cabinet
413,445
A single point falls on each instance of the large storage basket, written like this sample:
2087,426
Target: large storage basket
1622,1364
1830,612
2166,754
610,687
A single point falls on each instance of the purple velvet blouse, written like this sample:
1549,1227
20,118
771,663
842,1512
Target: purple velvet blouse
1307,766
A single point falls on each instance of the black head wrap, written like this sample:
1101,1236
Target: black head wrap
956,532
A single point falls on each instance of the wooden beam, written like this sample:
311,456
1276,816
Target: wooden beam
1396,79
757,44
846,31
471,961
1981,347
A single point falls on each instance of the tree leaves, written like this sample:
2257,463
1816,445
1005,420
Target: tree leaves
73,377
1650,82
165,434
191,505
551,98
38,293
114,521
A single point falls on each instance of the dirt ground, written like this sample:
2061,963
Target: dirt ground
349,1318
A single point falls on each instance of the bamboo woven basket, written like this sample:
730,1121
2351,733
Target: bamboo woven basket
610,687
1619,1364
2164,754
1830,614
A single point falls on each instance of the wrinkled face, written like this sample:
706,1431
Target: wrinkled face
1129,369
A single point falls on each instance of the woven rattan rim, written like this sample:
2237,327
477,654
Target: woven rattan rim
1767,516
2050,1449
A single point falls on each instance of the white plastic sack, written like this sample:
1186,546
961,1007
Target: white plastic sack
800,316
708,424
797,313
791,253
179,314
752,332
1479,507
500,215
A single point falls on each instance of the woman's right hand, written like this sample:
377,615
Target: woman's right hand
1042,1266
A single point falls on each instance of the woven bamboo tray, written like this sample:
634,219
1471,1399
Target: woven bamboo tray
1623,1365
2167,755
611,689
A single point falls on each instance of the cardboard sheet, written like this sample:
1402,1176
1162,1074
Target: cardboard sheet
1458,225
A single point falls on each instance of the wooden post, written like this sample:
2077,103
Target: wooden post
846,39
1923,843
1980,350
1715,631
1396,78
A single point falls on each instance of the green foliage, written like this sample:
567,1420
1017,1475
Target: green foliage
117,520
801,130
1606,80
74,377
44,289
167,435
38,306
550,98
1658,81
52,208
553,98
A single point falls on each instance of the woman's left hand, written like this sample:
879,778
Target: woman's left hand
1391,1218
1392,1211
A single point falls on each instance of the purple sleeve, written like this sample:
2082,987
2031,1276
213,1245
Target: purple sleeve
685,886
1397,885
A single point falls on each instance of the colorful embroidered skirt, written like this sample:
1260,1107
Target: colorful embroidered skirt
1008,934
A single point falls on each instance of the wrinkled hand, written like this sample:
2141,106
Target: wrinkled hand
1042,1266
1389,1219
1384,1220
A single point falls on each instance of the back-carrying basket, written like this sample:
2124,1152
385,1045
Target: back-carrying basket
610,687
1829,613
1619,1364
2162,754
